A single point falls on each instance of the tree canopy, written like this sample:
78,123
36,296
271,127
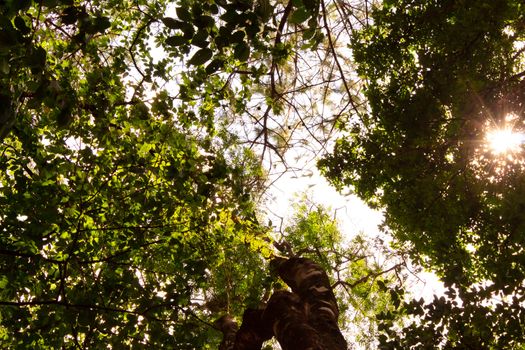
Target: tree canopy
138,139
114,211
439,76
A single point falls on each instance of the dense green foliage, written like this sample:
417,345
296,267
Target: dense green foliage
439,75
119,211
132,139
127,212
367,276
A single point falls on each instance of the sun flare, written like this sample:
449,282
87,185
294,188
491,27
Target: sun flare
505,140
501,150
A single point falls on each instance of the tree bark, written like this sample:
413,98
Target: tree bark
303,319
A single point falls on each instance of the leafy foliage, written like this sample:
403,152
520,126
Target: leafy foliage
439,75
118,207
114,221
124,195
366,275
131,138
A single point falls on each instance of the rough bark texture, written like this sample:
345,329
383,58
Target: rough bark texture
228,327
304,319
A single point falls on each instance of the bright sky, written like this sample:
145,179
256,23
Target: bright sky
504,140
353,215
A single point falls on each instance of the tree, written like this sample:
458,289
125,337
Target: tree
124,198
117,206
318,260
109,240
366,276
320,269
440,75
133,132
305,318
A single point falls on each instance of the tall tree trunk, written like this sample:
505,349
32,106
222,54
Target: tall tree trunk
305,318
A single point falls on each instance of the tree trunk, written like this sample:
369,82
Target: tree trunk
305,318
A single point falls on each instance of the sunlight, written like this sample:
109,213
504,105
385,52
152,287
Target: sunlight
501,148
504,140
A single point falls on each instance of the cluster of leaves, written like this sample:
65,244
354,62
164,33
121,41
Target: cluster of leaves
482,317
117,219
247,59
34,38
220,30
438,75
367,276
118,208
126,204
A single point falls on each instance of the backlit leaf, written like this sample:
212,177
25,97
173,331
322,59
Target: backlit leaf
200,57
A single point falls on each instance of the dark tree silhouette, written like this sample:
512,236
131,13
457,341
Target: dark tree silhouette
305,318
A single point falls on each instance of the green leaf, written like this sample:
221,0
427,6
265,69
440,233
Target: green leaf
144,149
70,15
214,65
242,52
21,25
200,38
37,59
3,282
171,23
231,17
299,16
381,285
237,37
176,40
205,21
96,25
8,39
102,23
309,33
183,14
21,5
187,30
264,10
200,57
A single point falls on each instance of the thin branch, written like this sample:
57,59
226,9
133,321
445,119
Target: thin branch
27,255
367,277
134,42
339,67
81,306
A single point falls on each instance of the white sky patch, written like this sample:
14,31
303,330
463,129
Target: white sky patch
427,286
353,215
505,137
519,45
22,218
140,277
75,143
45,141
63,180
